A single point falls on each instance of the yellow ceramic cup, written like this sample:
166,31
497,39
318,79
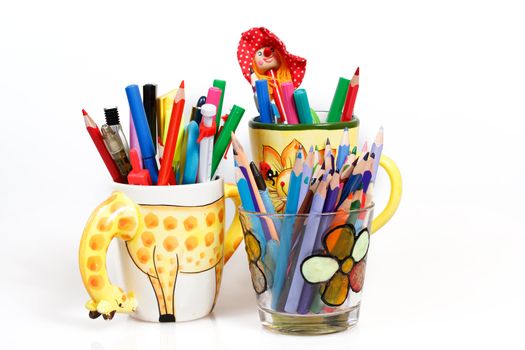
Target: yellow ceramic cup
274,148
172,250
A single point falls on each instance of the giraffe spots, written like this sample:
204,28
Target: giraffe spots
221,236
168,298
104,224
197,263
209,238
117,206
152,271
210,219
191,242
160,269
127,223
96,282
173,261
97,242
143,255
159,257
170,243
190,223
94,263
189,259
211,261
221,215
124,297
151,220
170,223
124,236
147,238
201,255
173,272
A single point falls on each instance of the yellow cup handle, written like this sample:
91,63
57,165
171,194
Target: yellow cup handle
396,187
118,216
234,234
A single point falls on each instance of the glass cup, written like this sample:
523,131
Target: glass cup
309,281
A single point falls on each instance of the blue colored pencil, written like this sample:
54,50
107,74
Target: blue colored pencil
263,101
285,238
308,242
307,175
343,150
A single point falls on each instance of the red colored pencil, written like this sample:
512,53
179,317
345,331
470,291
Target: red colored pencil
351,95
171,138
96,136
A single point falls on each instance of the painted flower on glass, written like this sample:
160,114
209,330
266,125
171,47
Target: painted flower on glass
253,249
276,169
343,266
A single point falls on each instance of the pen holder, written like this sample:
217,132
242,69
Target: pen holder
172,250
310,280
274,148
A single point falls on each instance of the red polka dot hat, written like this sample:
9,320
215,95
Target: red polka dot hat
255,38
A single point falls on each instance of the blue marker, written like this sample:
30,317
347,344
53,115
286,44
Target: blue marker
263,100
143,133
191,163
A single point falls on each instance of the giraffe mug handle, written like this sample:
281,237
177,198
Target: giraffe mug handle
174,235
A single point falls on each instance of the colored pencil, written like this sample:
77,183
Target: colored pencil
277,96
96,136
308,166
243,163
312,226
342,150
294,188
377,149
171,138
348,110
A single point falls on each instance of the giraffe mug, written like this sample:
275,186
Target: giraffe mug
172,249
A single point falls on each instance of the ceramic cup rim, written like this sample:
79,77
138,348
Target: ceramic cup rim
254,123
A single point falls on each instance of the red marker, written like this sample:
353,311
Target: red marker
137,175
96,136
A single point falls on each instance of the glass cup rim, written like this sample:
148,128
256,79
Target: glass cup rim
277,215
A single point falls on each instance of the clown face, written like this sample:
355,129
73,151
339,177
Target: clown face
265,59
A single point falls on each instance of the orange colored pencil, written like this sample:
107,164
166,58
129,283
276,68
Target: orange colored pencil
171,139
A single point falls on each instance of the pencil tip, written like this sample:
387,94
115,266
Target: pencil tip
357,71
327,141
182,85
311,149
84,113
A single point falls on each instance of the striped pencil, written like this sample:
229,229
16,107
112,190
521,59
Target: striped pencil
307,174
343,150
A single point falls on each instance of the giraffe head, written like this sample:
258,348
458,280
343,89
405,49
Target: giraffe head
120,302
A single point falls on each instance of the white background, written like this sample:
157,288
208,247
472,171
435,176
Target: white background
446,80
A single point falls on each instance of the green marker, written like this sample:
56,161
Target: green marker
224,138
338,102
302,106
221,84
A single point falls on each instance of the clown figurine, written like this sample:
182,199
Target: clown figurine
262,55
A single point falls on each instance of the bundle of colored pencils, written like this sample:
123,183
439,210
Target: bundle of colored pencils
294,106
338,183
188,151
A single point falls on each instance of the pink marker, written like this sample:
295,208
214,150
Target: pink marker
289,102
133,139
214,96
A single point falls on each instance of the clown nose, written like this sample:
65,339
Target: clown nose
267,52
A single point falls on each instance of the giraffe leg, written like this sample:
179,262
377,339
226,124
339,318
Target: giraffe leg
164,315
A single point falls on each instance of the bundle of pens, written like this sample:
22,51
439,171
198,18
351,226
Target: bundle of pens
275,76
188,152
320,238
